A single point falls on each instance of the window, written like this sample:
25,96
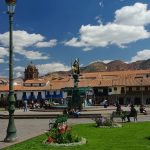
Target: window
130,89
54,92
110,90
122,88
115,88
146,88
137,88
24,93
2,95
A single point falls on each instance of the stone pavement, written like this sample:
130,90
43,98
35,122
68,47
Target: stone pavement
28,128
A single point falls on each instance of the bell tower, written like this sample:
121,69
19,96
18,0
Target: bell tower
31,72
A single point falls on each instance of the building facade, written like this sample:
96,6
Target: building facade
125,87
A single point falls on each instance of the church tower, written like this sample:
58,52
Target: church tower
31,72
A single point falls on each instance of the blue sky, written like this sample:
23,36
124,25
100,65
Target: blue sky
51,33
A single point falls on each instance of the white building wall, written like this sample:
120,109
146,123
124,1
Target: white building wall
64,94
43,94
35,94
19,95
118,91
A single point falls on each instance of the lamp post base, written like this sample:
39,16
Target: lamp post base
11,130
11,138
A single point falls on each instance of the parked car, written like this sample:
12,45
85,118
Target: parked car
104,103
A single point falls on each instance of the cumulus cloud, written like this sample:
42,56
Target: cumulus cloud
104,61
50,43
19,74
43,68
127,27
104,35
137,15
2,60
3,52
23,41
141,55
101,4
30,54
19,68
99,20
21,38
52,67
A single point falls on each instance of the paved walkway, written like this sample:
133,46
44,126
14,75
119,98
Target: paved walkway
28,128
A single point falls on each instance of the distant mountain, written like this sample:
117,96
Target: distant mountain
145,64
94,67
135,65
116,65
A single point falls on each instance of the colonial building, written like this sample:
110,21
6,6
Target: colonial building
123,86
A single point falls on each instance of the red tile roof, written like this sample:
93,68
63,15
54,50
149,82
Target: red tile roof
98,79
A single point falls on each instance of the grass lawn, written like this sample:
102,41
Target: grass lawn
132,136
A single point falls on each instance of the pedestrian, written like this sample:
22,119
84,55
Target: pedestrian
25,105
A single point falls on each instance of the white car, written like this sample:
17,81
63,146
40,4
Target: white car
105,102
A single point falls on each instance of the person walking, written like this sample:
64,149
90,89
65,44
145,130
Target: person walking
25,105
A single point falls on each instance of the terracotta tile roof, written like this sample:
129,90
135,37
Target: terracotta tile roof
36,81
98,79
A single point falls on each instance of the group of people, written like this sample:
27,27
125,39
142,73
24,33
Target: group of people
143,110
32,105
72,112
132,112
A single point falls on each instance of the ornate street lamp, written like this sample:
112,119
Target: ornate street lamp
11,129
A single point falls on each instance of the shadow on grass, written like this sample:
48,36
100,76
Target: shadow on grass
147,138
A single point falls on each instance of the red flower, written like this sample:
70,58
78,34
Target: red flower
62,130
66,128
50,139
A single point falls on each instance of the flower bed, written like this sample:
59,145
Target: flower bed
115,125
81,142
60,134
104,122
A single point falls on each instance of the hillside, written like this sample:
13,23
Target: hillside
116,65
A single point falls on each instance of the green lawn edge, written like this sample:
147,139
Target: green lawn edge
132,136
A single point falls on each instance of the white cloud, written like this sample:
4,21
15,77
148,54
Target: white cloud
16,59
127,27
43,69
50,43
99,20
2,61
141,55
52,67
18,74
3,52
19,71
21,38
19,68
104,35
136,15
104,61
32,55
23,41
101,4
